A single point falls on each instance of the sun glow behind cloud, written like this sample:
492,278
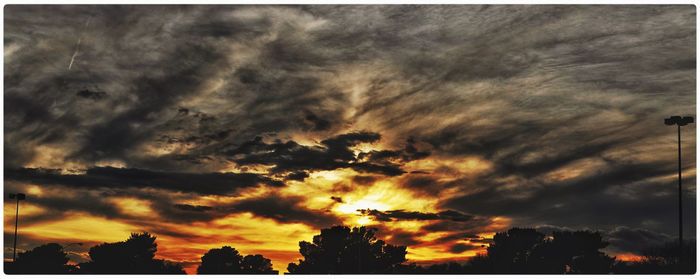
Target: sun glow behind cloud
507,128
245,231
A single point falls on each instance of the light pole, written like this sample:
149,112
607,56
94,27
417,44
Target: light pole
18,197
679,121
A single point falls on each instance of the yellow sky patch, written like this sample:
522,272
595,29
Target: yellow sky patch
83,226
134,207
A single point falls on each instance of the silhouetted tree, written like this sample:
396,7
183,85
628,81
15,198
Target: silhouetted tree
581,249
510,250
341,250
478,264
227,260
527,251
45,259
257,264
133,256
571,252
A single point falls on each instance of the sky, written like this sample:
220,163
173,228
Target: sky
256,126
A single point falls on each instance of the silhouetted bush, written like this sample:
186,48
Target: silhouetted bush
227,260
571,252
45,259
133,256
341,250
524,251
510,250
662,259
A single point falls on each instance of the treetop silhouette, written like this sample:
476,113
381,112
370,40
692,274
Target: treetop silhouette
341,250
45,259
227,260
133,256
529,251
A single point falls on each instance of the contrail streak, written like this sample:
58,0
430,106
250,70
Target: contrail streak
77,45
72,59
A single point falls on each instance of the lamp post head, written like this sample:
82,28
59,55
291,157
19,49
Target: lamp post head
677,120
18,196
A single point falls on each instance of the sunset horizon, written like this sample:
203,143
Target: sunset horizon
258,126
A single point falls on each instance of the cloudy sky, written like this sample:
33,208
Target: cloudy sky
255,126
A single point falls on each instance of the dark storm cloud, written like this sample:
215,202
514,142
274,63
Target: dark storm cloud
461,247
409,153
364,179
625,193
59,207
548,195
112,138
109,177
413,238
392,215
61,202
115,133
621,239
93,95
286,209
451,226
459,236
98,202
317,123
332,153
179,52
385,169
298,176
635,240
404,238
438,180
196,208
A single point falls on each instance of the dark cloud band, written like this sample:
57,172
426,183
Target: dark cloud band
109,177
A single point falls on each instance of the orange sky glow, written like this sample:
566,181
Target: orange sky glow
257,126
258,235
276,240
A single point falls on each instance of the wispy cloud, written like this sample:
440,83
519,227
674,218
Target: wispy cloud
512,115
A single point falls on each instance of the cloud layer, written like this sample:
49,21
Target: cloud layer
436,122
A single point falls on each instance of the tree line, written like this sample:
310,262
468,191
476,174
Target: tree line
344,250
